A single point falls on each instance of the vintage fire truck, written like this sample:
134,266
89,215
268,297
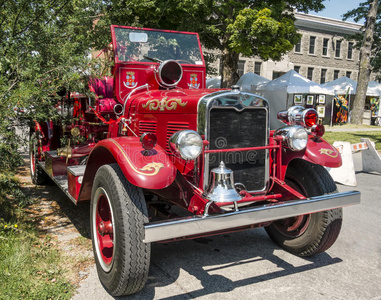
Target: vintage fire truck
161,158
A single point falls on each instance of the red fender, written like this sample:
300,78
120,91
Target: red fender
318,151
321,152
146,169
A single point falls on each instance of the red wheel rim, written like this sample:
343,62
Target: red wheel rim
293,227
103,229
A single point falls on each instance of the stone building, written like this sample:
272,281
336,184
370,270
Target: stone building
322,55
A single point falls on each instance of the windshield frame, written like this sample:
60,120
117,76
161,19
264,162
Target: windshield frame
114,43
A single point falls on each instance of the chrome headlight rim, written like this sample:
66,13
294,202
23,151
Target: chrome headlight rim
294,137
181,142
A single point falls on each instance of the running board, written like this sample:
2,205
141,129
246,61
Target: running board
61,181
195,225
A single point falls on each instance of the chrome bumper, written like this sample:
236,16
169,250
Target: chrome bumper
182,227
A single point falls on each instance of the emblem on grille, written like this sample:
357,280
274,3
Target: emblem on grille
164,104
130,80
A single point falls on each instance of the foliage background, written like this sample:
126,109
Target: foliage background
44,46
248,27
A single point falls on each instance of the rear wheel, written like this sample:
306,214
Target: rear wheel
37,174
313,233
118,213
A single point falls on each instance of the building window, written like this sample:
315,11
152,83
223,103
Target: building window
350,50
277,74
298,47
336,74
257,67
348,74
310,73
338,49
325,47
241,68
297,69
322,75
312,45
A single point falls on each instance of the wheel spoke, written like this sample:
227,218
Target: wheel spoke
107,242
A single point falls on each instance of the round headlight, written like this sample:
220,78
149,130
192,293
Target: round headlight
186,143
297,138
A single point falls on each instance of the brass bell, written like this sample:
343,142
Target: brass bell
221,185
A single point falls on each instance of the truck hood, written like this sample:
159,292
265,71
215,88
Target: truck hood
175,101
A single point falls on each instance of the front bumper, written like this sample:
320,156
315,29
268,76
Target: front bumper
196,225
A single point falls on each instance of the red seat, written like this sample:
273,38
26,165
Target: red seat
104,91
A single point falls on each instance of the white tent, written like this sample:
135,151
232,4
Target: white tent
341,85
213,82
280,93
374,89
250,79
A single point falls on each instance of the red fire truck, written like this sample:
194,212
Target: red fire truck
162,158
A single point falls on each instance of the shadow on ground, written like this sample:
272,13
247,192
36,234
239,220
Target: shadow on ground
54,210
207,262
250,255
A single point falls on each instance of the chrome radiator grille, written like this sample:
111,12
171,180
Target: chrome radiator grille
232,129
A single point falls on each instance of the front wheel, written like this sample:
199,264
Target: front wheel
313,233
118,213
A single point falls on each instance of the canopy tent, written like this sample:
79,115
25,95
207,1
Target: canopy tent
341,85
345,90
213,83
372,109
374,89
283,91
294,83
250,79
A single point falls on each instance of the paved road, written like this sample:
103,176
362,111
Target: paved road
248,265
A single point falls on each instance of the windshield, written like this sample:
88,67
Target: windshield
134,45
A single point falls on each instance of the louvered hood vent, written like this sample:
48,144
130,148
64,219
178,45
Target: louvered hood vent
147,126
173,127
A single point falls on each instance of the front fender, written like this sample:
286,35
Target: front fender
146,169
321,152
318,151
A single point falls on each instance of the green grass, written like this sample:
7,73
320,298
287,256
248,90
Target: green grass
30,265
354,137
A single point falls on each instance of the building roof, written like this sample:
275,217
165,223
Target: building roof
313,22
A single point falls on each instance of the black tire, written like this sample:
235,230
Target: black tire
37,174
117,214
314,233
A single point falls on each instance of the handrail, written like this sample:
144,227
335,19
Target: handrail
129,95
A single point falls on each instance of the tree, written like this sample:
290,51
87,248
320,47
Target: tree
44,45
233,27
365,57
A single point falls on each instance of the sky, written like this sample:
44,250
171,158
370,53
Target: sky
336,8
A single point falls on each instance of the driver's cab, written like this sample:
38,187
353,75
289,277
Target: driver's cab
160,58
